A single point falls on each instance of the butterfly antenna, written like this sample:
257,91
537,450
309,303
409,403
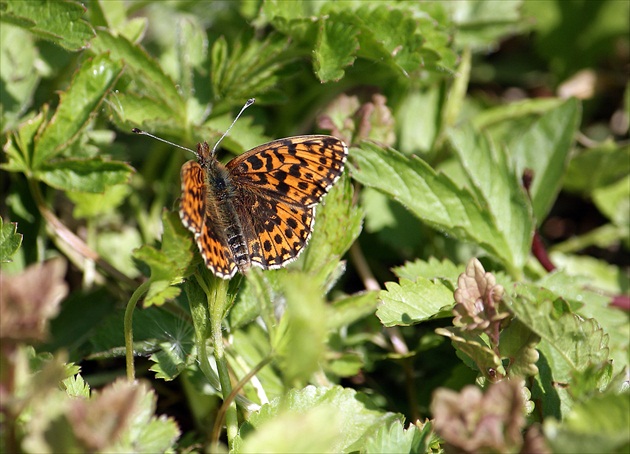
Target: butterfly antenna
249,102
144,133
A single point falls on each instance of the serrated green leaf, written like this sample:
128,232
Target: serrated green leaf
544,149
144,432
433,268
76,387
432,197
343,415
518,344
77,105
410,302
57,21
396,439
10,240
84,175
501,194
335,49
158,435
569,342
169,362
394,37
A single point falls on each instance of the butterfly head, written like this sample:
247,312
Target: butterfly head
204,156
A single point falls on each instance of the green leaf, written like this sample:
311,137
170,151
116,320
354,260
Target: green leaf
392,36
250,68
518,344
10,240
147,76
145,111
482,24
396,439
335,49
144,432
502,194
614,202
335,420
433,268
169,362
410,302
474,351
338,224
435,199
514,111
84,175
171,263
544,149
417,133
301,346
19,147
20,72
345,311
594,272
57,21
597,167
77,105
90,205
76,387
600,424
569,342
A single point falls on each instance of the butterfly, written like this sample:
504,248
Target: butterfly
259,208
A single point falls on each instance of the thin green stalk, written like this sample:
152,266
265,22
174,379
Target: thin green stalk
128,328
217,305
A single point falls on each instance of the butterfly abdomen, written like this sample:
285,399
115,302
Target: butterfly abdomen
222,200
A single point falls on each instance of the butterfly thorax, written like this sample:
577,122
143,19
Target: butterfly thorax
221,208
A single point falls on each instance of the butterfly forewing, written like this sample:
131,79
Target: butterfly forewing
297,170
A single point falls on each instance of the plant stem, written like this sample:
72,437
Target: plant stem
128,328
217,304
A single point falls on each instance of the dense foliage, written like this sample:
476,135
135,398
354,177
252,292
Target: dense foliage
466,283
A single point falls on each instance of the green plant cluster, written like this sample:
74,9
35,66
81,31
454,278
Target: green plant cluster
425,314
